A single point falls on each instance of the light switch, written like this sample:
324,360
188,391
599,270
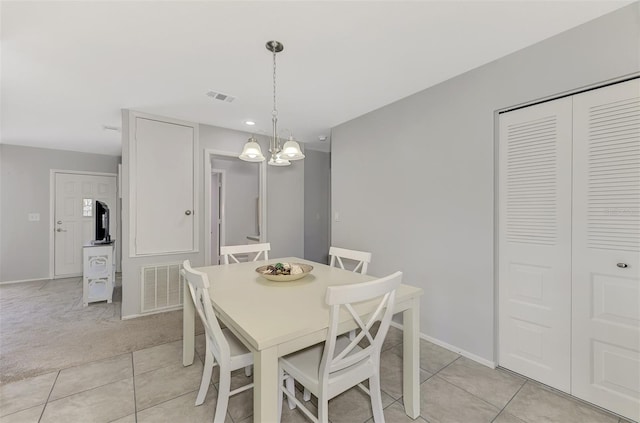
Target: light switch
336,217
34,217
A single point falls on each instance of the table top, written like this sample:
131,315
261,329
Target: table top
268,313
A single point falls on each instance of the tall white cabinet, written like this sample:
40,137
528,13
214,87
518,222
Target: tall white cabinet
569,245
162,186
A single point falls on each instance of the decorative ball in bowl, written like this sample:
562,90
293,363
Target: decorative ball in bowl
284,272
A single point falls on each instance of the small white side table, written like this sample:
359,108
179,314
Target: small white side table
99,271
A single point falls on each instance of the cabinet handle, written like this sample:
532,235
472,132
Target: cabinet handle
188,212
61,230
622,265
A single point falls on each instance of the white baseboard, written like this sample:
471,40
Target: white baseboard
25,280
164,310
452,348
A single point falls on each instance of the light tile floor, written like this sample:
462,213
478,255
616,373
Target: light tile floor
151,385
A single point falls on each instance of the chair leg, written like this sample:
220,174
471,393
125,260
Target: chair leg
323,409
248,371
290,384
224,388
306,395
280,393
376,398
206,378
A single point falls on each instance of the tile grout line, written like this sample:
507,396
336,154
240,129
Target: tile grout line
568,396
84,390
133,381
578,401
473,395
49,396
434,374
509,402
167,400
447,365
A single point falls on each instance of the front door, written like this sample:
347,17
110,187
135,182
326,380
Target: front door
74,214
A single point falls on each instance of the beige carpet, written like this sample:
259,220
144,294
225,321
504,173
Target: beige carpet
44,328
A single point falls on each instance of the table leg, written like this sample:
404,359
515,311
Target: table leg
411,359
265,385
188,326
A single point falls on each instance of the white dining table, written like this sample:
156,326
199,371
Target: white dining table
277,318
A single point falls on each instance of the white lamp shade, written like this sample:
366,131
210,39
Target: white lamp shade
276,160
251,151
291,150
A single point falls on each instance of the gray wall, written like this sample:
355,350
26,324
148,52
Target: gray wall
24,188
285,208
414,181
241,196
317,205
285,221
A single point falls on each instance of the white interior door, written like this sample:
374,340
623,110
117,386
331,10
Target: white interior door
535,242
74,223
162,188
606,248
217,201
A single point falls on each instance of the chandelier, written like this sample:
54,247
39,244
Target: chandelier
281,155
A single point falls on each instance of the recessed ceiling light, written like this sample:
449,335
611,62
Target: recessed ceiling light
249,122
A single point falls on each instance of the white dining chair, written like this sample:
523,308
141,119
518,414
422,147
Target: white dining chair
230,251
337,254
332,367
362,257
222,347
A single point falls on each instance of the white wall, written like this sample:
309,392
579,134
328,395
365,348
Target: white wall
285,202
317,205
24,188
241,195
414,181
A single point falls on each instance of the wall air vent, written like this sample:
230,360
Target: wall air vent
161,287
220,96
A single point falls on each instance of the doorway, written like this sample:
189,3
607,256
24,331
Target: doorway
235,210
73,197
217,220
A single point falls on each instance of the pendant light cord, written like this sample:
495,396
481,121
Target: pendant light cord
275,147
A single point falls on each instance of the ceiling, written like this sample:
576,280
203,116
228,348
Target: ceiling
69,67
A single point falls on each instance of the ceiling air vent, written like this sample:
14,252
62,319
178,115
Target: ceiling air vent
220,96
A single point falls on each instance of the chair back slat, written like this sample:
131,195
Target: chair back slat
362,257
348,297
199,289
230,251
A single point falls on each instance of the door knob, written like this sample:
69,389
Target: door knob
61,230
188,212
622,265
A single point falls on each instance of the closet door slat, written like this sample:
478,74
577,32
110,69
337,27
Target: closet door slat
606,248
534,242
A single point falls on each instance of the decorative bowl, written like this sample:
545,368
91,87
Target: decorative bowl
265,272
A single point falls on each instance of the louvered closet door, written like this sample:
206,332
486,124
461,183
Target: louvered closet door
535,242
606,237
